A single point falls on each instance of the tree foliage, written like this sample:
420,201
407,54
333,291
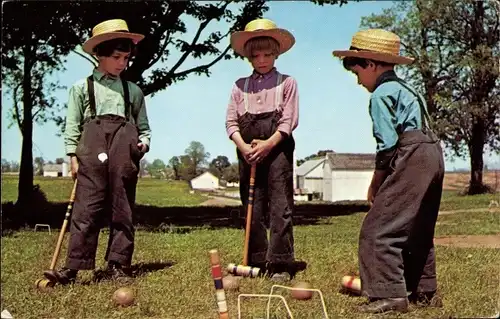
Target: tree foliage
456,45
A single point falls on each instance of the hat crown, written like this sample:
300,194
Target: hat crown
377,40
114,25
260,24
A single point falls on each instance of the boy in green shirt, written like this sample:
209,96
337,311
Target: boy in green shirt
396,251
107,133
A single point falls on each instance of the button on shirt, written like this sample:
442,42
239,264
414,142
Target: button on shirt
261,99
109,98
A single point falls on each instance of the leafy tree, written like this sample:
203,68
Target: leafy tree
143,164
218,165
39,162
456,45
197,155
175,164
231,173
30,53
157,169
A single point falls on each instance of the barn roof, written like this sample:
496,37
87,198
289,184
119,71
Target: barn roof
52,167
308,166
351,161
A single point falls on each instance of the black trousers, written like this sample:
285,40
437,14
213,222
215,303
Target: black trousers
396,250
108,159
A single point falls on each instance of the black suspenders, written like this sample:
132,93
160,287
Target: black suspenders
128,106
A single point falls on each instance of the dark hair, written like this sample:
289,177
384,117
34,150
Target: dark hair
349,62
107,48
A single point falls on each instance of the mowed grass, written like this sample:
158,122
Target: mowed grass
161,193
468,278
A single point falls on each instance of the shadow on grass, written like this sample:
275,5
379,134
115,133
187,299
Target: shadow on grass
136,270
171,219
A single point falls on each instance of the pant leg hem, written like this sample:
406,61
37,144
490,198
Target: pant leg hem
80,264
383,290
121,259
258,257
427,285
281,258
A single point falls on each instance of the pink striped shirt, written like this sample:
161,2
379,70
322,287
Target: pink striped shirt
261,97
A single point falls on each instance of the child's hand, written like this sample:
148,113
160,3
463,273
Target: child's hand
246,150
74,167
142,147
260,149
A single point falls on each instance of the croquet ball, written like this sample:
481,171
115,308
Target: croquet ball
231,282
351,284
123,297
44,284
302,294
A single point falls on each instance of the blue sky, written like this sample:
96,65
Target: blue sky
333,108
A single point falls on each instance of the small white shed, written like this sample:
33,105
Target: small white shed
347,176
309,176
56,170
206,181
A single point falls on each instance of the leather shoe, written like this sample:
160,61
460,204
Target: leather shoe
64,276
384,305
426,299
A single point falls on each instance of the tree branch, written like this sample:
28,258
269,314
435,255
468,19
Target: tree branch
200,68
202,27
162,49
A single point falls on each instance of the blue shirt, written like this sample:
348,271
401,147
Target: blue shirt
393,109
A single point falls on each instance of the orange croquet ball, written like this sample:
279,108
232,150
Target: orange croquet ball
302,294
123,297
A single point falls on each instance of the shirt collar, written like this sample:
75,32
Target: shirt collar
385,76
268,75
100,75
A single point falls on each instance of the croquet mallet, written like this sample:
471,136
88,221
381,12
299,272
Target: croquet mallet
44,283
248,227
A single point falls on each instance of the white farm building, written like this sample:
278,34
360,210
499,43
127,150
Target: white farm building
347,176
205,182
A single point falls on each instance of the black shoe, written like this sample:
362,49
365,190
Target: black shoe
115,272
426,299
284,271
64,276
384,305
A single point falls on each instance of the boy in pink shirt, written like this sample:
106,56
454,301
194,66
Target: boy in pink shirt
261,116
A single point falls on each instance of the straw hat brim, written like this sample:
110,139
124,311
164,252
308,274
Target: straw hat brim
91,43
371,55
285,39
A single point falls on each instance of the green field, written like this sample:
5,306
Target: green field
468,277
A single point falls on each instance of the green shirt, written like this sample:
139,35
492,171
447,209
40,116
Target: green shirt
109,99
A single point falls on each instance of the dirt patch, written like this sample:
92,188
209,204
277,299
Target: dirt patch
470,241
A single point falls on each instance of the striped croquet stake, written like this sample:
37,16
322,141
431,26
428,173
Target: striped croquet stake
219,288
245,271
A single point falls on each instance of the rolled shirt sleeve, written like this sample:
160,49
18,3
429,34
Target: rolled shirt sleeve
290,116
74,118
143,127
232,113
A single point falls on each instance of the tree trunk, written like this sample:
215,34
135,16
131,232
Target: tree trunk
25,186
476,149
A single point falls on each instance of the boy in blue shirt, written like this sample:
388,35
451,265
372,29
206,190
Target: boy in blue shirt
396,251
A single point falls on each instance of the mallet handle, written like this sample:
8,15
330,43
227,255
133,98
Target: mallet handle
249,214
63,228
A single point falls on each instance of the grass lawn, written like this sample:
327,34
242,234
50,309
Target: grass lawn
468,278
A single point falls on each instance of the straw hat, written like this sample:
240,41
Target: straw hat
109,30
262,28
375,44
